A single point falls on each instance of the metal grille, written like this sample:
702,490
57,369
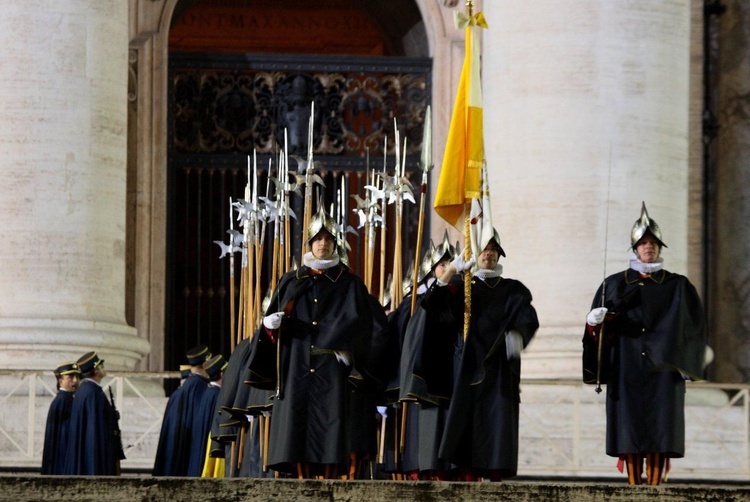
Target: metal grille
225,107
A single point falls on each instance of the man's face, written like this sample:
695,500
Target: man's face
101,370
647,249
69,382
323,246
440,268
488,258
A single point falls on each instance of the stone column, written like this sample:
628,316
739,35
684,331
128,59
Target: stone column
586,115
63,79
731,306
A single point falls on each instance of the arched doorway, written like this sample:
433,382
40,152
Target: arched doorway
240,73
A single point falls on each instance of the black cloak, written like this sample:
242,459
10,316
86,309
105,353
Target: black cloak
201,430
56,433
325,312
655,337
173,451
429,357
93,447
481,430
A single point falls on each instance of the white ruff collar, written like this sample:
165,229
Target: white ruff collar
311,262
646,268
422,289
484,273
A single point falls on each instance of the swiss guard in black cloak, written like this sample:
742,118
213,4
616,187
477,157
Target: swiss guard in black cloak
204,415
481,430
325,331
654,340
93,446
427,344
173,451
56,433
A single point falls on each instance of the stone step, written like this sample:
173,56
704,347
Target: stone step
137,489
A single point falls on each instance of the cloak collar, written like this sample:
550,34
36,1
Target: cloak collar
491,282
632,276
333,273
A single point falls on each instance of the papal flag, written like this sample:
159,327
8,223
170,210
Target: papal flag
460,178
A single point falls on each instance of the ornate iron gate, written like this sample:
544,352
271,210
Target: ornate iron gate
224,107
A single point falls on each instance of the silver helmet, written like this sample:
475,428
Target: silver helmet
644,225
321,221
425,266
444,251
407,280
496,239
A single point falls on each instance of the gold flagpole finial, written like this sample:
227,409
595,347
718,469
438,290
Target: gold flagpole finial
470,7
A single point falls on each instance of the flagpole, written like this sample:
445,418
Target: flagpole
467,273
460,179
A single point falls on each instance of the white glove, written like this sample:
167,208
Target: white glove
708,357
343,357
596,316
513,344
383,410
273,321
462,265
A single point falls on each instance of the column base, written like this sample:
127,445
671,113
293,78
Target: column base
44,343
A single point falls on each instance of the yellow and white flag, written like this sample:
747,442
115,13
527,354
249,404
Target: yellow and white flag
460,179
